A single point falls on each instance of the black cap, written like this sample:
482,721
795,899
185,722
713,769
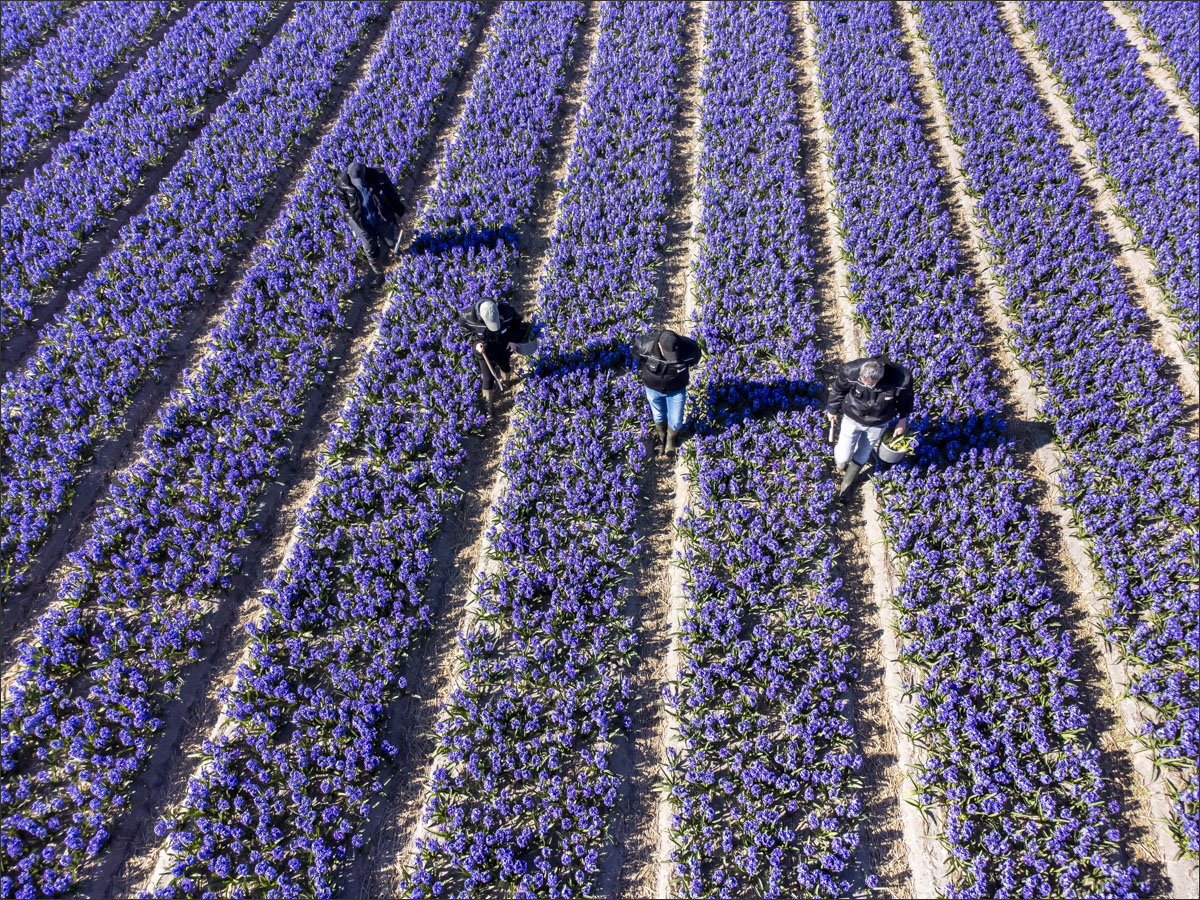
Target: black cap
357,172
668,343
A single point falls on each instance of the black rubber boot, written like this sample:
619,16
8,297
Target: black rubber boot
673,440
660,436
489,403
375,266
852,470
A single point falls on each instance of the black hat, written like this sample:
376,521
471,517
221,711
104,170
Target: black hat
668,343
357,172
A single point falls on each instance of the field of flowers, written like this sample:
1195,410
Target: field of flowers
224,562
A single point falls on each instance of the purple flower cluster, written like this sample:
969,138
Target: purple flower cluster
22,22
45,223
64,73
85,707
1153,165
92,359
764,789
1130,473
286,788
1173,27
1007,770
524,780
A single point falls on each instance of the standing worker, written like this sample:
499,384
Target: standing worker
374,206
867,394
664,358
499,333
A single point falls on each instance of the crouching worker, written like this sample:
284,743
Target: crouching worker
499,332
373,205
664,359
867,394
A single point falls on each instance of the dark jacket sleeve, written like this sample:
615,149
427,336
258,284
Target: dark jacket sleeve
469,320
691,352
904,400
837,393
393,198
382,185
349,201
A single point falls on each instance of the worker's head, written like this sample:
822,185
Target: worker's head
871,372
490,313
357,173
668,346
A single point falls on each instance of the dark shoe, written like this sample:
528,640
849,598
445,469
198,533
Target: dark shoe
852,470
375,267
673,440
489,403
660,435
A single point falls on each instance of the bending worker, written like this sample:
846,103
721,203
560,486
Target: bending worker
664,358
867,394
374,207
499,332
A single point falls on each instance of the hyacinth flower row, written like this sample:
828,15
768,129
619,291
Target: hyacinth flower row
76,388
1130,473
45,223
67,70
85,708
1007,771
764,787
24,22
1152,165
1173,28
287,786
523,784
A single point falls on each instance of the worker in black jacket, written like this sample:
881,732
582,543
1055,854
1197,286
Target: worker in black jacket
867,394
373,205
499,332
664,359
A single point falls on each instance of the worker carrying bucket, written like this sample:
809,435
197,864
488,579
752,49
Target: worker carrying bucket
867,394
499,332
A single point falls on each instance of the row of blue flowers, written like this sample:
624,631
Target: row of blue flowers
46,222
90,361
764,788
1008,771
524,783
85,712
287,788
68,69
1130,473
1152,165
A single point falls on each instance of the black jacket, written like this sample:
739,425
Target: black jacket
390,205
513,328
892,397
658,374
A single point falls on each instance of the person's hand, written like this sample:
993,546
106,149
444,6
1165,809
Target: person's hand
513,348
832,416
479,347
901,427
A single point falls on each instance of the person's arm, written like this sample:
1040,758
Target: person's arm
349,202
528,343
393,197
691,354
837,393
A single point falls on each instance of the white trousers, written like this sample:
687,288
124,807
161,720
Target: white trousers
856,440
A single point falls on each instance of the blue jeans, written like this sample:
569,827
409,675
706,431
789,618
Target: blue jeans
856,441
667,406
